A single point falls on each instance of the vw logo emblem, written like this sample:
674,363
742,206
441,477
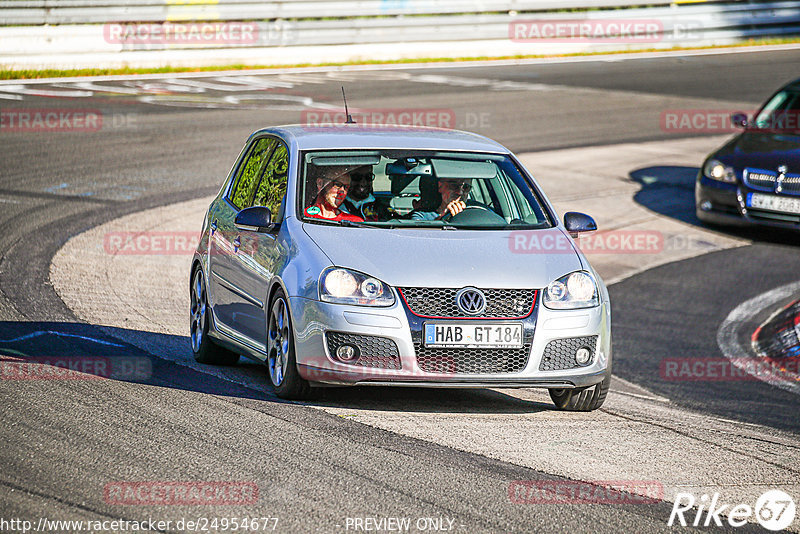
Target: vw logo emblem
471,301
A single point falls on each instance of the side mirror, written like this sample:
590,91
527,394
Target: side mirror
254,219
739,120
578,222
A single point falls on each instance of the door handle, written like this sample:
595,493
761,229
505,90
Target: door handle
236,244
213,226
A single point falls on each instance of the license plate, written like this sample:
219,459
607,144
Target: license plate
773,203
502,335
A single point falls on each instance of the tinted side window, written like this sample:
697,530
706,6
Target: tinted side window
272,187
250,172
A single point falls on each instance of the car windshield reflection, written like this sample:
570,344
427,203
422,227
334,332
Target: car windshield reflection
419,189
781,113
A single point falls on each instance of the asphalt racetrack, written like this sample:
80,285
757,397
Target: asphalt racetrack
441,458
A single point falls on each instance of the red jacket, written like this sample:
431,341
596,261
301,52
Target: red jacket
315,212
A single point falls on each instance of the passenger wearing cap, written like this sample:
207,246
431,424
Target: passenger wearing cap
360,200
331,190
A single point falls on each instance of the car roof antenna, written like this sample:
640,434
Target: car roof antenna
349,119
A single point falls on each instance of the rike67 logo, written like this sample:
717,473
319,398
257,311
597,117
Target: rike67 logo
774,510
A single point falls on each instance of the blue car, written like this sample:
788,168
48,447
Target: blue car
755,177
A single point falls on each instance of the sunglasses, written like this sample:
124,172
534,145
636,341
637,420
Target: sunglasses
464,187
339,185
362,176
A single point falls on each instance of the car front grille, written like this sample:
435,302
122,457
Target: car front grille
559,354
766,181
441,302
378,352
760,179
463,361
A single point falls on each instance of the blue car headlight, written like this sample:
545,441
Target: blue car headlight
572,291
343,286
716,170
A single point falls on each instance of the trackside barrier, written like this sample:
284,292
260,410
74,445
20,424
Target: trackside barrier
30,28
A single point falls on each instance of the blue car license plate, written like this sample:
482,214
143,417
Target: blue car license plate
773,203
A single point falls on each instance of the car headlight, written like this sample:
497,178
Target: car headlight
575,290
716,170
343,286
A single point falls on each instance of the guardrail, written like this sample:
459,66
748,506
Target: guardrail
101,11
30,28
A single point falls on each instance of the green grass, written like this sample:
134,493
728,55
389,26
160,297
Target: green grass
56,73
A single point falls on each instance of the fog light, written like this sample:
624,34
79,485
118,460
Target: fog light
582,355
705,205
347,353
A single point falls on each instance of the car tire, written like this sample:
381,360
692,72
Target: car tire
203,347
281,361
581,399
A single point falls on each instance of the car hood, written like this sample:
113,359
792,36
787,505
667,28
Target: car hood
410,257
762,150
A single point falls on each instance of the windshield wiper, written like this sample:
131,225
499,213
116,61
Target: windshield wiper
498,227
343,222
358,224
527,226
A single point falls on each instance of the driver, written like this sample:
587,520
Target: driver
454,191
331,189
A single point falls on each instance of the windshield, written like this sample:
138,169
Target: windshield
781,113
422,189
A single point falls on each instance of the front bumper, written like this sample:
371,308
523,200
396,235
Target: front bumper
727,207
313,319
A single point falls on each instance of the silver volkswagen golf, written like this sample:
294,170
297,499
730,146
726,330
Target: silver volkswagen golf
397,256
